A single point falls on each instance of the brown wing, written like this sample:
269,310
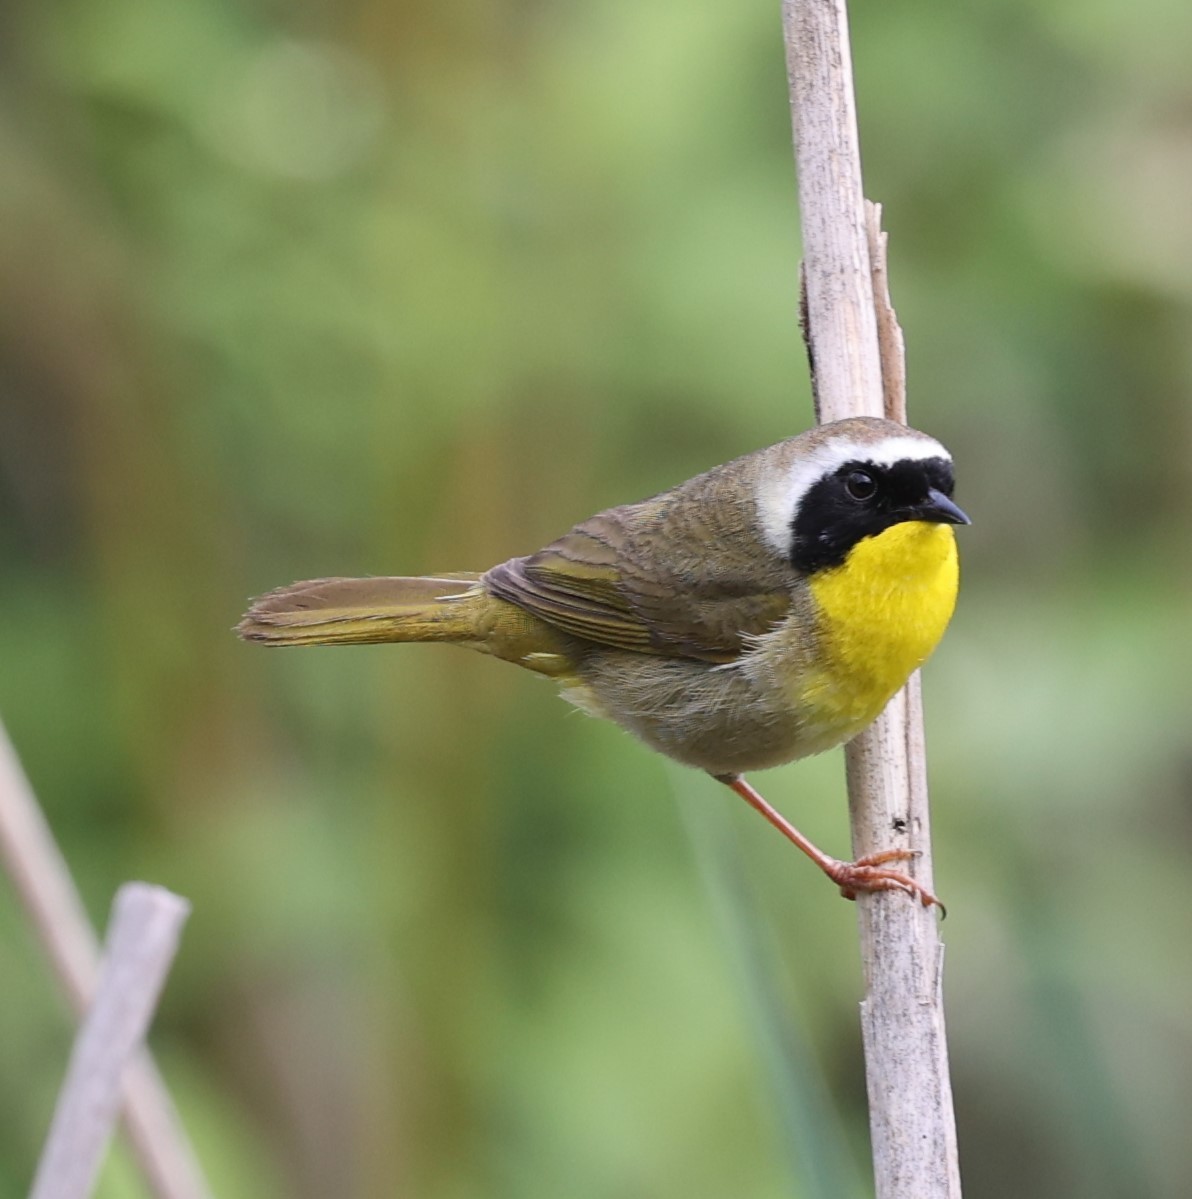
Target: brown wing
606,582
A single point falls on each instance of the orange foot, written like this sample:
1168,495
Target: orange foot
866,874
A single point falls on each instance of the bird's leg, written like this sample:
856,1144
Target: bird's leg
865,874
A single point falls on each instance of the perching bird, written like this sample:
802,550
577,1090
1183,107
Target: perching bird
758,613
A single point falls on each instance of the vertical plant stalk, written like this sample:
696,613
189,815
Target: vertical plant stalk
140,947
855,347
32,860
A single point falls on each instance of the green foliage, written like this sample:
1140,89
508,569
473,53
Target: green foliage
377,288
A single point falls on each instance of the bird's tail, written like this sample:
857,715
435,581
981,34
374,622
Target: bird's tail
359,611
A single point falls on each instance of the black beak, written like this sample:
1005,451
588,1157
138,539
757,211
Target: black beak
939,509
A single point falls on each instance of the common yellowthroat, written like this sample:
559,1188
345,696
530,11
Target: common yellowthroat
758,613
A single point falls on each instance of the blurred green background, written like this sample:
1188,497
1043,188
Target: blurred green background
312,289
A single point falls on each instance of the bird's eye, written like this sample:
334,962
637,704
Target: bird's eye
860,484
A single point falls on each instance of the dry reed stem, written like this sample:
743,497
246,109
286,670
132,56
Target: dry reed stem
39,873
142,940
855,346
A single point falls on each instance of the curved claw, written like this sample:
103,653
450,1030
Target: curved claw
866,874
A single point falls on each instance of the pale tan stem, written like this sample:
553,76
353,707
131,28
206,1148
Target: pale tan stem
139,950
39,873
857,357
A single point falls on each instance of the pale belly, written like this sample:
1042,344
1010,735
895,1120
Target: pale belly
718,720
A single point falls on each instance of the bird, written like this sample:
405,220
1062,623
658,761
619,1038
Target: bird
761,612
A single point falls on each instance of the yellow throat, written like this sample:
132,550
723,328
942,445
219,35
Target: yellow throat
881,613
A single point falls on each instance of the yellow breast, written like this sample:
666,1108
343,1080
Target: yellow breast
881,614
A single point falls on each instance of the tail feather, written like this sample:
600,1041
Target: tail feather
361,611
